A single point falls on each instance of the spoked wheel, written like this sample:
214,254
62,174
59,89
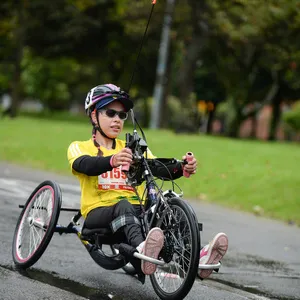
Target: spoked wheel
181,251
36,224
128,268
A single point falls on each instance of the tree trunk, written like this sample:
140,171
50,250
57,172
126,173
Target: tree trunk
234,125
19,42
16,88
186,72
276,114
187,69
211,116
163,54
234,118
253,127
164,121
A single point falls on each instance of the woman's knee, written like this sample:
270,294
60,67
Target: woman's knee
123,207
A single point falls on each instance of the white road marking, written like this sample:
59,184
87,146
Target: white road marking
21,190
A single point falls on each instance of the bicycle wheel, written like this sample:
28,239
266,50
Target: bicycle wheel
128,268
182,238
36,224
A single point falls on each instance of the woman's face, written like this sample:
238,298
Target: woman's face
112,126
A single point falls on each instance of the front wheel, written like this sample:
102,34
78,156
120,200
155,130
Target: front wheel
36,224
181,251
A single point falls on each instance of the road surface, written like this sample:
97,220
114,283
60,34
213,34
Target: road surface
263,260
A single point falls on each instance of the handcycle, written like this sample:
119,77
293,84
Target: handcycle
178,260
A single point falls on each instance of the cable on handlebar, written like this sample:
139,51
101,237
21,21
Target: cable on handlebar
141,45
134,120
156,160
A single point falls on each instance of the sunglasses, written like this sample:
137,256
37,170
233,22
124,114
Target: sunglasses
111,113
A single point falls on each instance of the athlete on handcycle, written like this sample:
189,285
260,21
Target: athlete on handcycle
106,199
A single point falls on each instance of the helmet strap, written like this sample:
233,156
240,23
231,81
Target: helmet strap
96,127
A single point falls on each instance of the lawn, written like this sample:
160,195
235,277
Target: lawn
245,175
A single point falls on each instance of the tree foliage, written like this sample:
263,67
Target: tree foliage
252,49
292,117
242,52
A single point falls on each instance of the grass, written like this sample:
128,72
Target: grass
253,176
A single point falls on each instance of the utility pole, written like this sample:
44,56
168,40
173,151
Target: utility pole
161,65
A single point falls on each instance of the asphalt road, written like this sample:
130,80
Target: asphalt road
263,260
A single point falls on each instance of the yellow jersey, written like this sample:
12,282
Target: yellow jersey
106,189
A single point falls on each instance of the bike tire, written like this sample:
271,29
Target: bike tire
181,271
128,268
37,222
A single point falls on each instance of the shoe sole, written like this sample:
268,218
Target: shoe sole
218,250
153,245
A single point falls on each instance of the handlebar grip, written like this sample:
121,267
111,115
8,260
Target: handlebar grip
125,167
189,157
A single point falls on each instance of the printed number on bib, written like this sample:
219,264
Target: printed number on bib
113,180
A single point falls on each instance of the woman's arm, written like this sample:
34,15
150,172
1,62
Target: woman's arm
166,168
92,165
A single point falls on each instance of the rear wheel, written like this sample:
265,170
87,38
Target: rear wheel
36,224
181,251
128,268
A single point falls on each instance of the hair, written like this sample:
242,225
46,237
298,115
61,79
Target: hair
94,131
100,153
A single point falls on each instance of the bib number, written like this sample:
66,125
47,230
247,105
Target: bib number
113,180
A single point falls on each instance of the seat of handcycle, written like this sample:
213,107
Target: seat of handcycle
102,235
100,231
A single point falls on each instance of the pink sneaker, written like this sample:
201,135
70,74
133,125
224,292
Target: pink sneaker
152,247
213,253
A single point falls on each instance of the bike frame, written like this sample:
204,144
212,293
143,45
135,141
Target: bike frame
153,201
74,228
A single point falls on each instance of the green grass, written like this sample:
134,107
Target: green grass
235,173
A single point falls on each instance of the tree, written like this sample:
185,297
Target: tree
52,30
248,49
13,32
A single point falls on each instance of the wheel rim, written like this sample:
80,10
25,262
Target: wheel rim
171,277
34,224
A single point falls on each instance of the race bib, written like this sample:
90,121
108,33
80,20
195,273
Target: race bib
113,180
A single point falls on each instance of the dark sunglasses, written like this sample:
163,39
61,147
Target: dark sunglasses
111,113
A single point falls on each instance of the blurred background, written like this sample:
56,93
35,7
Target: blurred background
220,78
218,67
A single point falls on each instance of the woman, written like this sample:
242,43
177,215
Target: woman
106,199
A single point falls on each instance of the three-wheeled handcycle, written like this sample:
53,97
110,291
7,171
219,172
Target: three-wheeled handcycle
178,260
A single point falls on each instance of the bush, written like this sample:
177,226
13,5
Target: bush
57,116
292,117
183,117
179,117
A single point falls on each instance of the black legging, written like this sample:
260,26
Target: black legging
101,217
